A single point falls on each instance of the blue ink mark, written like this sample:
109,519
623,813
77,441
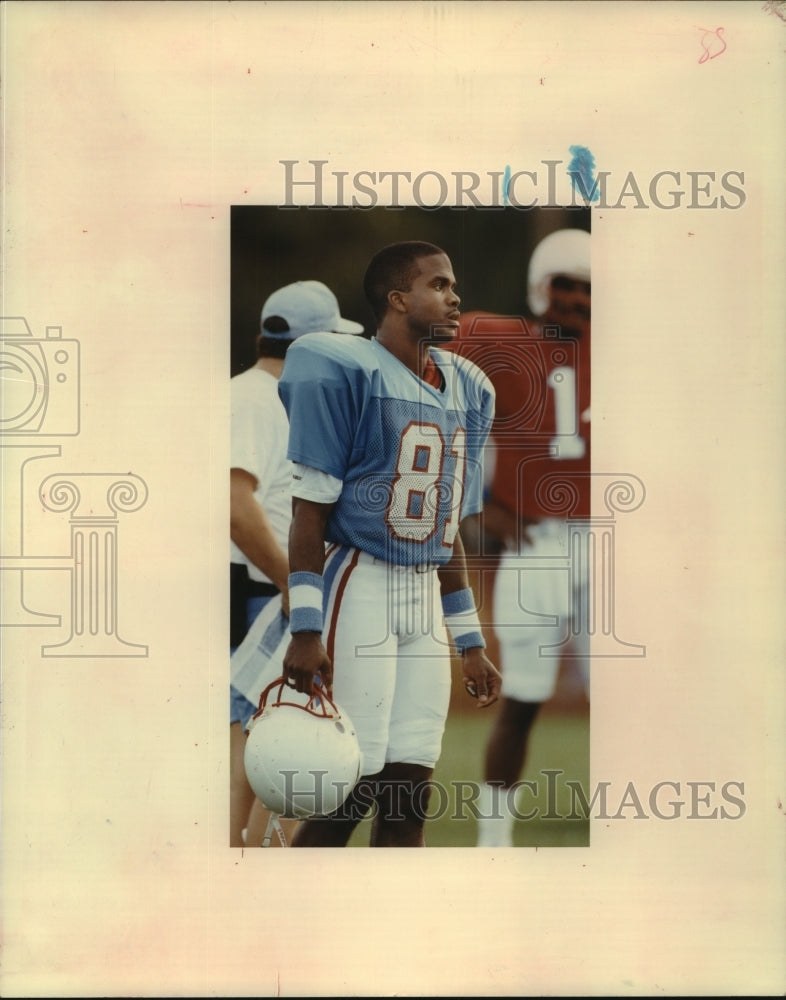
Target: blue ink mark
581,169
506,185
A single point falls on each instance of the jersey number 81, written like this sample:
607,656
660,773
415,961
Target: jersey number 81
419,494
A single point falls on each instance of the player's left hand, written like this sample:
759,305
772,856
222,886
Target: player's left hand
481,678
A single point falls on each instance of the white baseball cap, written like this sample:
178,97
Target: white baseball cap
306,307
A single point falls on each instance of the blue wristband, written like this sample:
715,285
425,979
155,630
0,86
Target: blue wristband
461,620
305,602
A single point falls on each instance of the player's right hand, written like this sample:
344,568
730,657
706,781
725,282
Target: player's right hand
304,659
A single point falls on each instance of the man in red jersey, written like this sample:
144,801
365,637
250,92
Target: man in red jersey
538,484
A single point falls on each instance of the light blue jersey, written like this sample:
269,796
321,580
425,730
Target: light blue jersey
410,456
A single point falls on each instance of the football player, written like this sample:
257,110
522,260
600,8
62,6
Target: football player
387,437
541,476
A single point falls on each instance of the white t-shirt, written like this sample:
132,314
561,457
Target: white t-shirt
260,430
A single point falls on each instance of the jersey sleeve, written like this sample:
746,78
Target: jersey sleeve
479,420
480,417
309,483
324,390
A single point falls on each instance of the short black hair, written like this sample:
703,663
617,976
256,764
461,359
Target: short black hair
273,347
394,268
268,347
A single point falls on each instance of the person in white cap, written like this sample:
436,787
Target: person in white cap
541,373
260,502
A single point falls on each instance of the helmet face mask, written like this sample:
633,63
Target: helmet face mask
302,757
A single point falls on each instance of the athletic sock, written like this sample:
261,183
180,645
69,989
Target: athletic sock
495,819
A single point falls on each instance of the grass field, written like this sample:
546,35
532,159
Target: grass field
559,743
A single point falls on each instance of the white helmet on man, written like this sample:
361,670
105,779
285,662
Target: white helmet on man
566,251
302,758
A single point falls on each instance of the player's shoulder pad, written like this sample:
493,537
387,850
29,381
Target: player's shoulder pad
334,348
340,361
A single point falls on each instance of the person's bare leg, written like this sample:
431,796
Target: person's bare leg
402,801
507,746
506,753
241,795
336,829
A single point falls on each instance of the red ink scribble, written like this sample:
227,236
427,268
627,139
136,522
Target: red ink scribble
710,40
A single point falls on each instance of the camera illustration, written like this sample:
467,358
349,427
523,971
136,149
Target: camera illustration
541,364
40,381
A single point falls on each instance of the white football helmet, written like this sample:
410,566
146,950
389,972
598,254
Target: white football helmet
302,756
566,251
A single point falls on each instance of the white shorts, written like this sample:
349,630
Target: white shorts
385,634
535,600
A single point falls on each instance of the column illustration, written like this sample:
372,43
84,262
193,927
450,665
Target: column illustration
591,548
94,501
